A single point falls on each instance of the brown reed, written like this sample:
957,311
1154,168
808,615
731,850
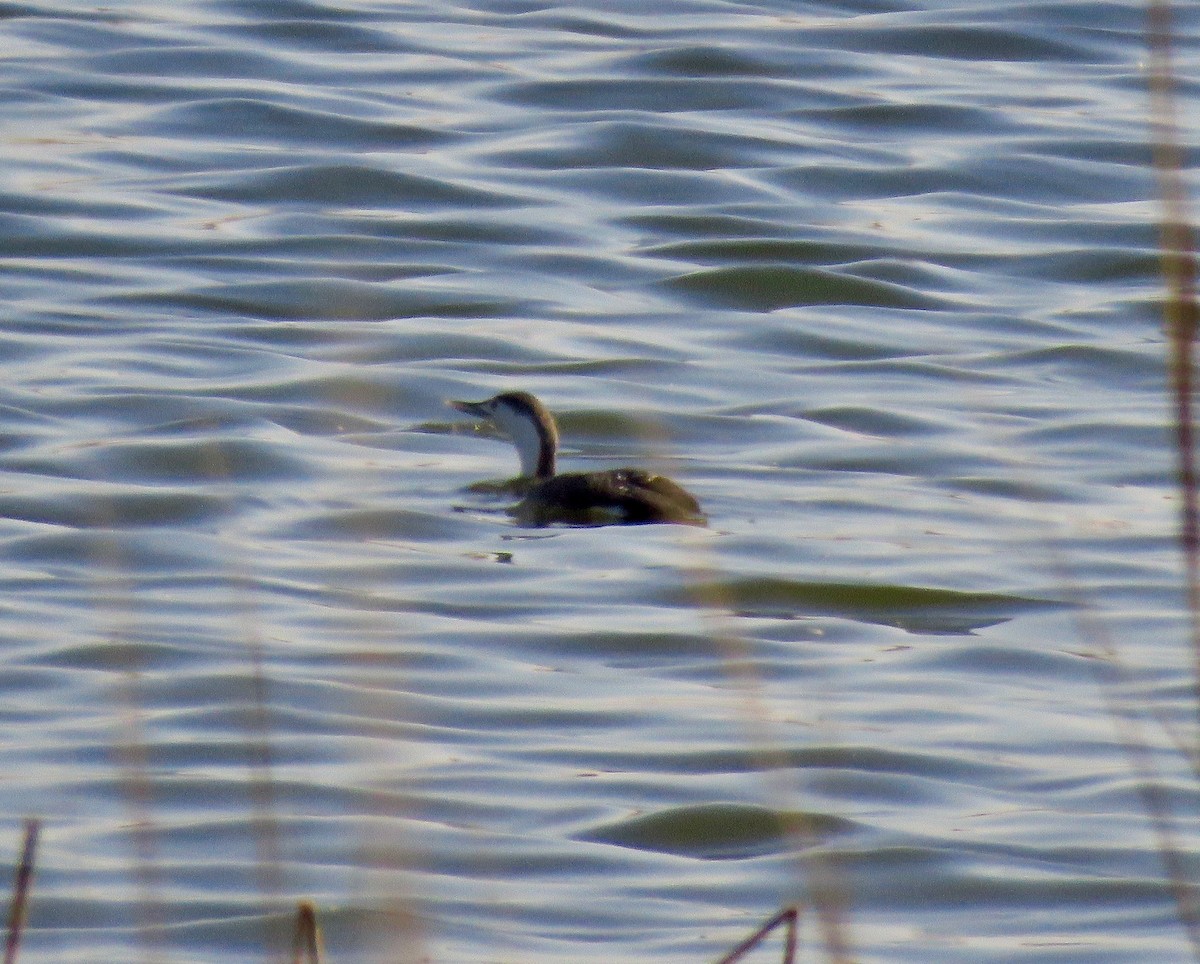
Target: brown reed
829,896
789,918
18,908
306,936
1178,262
1178,258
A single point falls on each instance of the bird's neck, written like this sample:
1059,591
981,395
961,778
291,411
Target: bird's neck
545,464
536,449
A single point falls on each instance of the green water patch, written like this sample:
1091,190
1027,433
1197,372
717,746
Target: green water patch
725,251
916,609
718,831
768,287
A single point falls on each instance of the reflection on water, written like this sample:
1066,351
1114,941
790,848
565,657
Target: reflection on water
878,285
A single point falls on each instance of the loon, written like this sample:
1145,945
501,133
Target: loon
616,496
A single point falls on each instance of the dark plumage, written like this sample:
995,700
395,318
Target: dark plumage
620,496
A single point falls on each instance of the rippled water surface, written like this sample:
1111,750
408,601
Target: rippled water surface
877,281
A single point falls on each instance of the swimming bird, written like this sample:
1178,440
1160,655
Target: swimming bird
615,496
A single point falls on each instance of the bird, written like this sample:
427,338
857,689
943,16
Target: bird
625,496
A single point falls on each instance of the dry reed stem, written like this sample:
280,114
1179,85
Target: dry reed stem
262,783
1132,737
1179,275
269,851
135,781
828,894
18,909
130,750
789,917
1178,255
306,938
393,930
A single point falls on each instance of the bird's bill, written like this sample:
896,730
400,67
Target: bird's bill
470,408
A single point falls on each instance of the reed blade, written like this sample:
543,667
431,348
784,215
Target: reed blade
18,910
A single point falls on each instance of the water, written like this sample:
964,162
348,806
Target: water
876,281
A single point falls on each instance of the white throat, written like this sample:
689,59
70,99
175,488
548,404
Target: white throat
526,435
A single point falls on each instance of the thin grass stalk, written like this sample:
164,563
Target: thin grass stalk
789,917
135,779
1131,735
18,909
265,816
306,937
828,895
130,750
262,783
1177,244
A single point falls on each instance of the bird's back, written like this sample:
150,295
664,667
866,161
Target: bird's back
616,496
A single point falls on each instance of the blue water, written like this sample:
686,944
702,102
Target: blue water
878,282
